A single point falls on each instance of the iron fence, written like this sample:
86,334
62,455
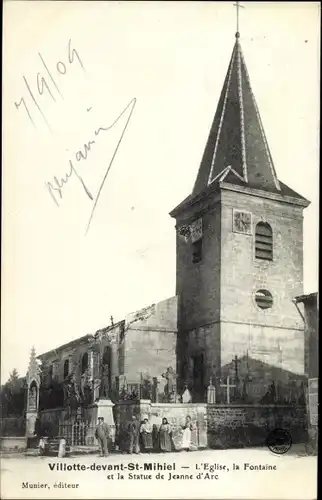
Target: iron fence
81,433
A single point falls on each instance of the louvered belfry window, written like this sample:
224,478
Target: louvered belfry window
263,241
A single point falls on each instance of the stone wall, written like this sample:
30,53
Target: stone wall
214,426
311,315
53,361
13,444
241,426
51,419
198,284
244,326
175,413
150,334
242,274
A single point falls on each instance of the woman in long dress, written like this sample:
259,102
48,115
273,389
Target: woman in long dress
146,435
165,436
186,436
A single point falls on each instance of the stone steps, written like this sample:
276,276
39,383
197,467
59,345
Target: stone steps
32,452
83,450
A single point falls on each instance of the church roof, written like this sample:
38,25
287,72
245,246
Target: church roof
237,151
307,297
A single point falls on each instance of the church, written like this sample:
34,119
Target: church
239,266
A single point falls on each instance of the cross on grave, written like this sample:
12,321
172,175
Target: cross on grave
170,377
248,374
228,386
236,361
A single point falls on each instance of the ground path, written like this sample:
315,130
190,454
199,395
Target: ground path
293,476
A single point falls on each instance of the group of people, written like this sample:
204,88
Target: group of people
136,437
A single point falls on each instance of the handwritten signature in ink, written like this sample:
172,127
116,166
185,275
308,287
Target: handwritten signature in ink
55,187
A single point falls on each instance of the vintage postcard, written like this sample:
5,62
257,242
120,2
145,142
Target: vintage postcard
160,250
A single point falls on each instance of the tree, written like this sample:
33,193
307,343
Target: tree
13,377
12,395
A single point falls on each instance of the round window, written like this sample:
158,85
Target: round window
264,299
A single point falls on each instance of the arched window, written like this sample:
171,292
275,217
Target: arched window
84,362
66,368
263,241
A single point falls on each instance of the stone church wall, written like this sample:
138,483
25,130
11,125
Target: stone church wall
242,274
150,340
198,285
263,343
244,326
204,340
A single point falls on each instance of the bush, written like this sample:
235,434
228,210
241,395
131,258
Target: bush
12,427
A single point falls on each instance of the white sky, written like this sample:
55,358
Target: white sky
172,57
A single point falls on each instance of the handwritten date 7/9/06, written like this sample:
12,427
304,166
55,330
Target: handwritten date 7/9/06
45,86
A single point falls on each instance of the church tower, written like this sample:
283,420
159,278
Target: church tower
239,247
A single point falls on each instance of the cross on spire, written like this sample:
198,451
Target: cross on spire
238,6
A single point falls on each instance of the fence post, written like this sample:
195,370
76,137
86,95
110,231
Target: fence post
198,436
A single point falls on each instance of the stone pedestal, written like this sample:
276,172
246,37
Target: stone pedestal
145,408
31,416
105,410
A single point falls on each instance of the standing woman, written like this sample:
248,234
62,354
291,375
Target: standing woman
186,437
146,434
165,436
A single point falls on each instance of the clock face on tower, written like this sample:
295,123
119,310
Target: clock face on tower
242,222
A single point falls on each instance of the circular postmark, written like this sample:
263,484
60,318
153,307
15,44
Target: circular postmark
279,441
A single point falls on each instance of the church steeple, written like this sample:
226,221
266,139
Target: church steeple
237,149
239,245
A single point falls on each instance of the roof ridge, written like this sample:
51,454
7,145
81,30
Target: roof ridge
268,153
222,115
241,107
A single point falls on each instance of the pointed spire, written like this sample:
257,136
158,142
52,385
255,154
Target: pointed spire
237,153
237,149
33,368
